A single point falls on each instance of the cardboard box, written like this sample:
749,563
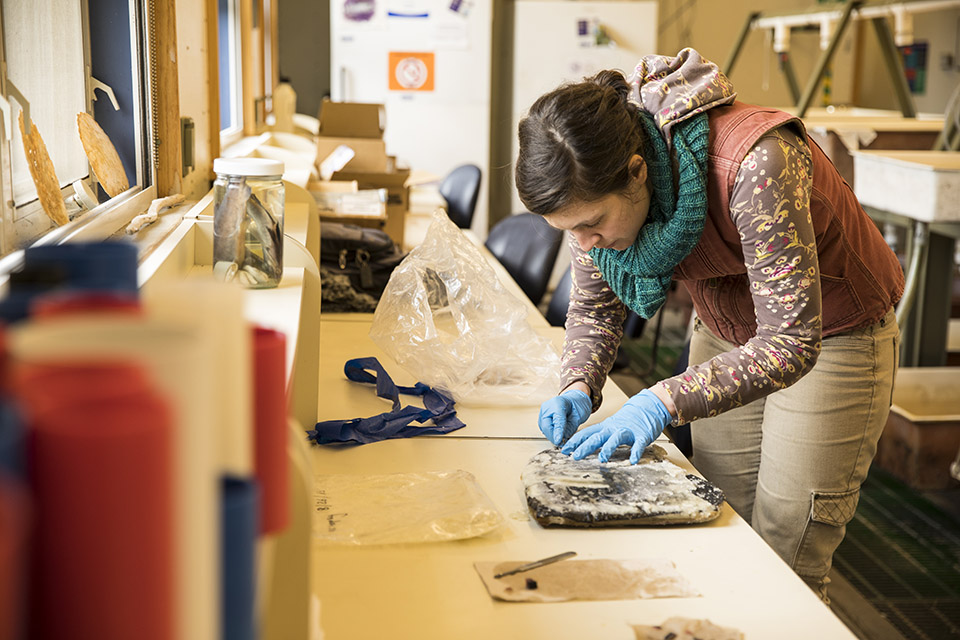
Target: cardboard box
351,119
342,201
398,195
922,435
357,125
360,126
369,154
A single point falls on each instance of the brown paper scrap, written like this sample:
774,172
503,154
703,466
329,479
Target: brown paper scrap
586,580
102,155
43,174
686,629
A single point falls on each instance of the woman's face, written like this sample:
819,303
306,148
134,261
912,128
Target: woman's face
613,221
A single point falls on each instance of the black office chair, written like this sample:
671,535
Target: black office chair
527,247
556,314
460,189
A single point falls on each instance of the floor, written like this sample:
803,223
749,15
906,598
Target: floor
901,555
896,576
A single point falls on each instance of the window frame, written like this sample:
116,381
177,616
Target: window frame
234,49
15,221
18,219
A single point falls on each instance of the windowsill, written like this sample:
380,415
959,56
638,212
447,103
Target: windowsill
293,308
98,223
180,246
298,153
100,217
230,137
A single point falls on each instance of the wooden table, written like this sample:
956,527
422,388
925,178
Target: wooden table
843,132
343,340
431,590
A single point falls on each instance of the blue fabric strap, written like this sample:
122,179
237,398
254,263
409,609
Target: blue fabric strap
394,423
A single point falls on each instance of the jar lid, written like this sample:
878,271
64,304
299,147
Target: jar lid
248,167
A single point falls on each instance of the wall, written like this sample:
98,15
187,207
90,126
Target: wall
193,86
711,28
941,29
304,28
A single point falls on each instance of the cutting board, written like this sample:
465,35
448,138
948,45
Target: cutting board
563,492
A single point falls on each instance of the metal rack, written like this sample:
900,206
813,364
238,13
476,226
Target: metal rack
832,24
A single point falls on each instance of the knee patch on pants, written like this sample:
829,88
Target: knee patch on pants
833,508
829,514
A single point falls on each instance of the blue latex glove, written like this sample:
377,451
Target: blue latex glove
639,422
560,416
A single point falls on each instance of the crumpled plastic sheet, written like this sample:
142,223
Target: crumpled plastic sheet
432,506
447,320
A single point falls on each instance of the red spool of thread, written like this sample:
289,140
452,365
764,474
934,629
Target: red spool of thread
101,471
14,531
4,362
42,387
270,428
77,302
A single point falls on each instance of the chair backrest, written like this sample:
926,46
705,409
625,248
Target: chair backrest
556,313
527,247
560,301
633,324
460,189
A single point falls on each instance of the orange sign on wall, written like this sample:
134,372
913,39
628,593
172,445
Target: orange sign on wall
411,71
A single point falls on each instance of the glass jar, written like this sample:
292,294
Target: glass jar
248,200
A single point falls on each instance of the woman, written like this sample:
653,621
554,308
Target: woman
666,176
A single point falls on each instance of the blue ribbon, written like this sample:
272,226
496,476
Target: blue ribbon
439,407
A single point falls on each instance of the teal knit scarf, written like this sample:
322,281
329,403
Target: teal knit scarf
640,275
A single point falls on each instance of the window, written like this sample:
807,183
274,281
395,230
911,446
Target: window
52,79
60,56
247,65
116,61
231,81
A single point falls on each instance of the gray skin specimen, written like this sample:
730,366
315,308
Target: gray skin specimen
266,232
565,492
229,223
241,222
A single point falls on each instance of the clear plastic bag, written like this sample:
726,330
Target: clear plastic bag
432,506
447,320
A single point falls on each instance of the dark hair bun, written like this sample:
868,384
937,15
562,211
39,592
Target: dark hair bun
576,143
612,79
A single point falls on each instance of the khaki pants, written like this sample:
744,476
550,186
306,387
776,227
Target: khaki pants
791,464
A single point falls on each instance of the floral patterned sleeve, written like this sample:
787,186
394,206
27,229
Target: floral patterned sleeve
770,205
594,326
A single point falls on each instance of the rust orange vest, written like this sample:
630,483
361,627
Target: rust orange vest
860,277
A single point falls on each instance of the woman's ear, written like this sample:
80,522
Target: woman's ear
637,169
